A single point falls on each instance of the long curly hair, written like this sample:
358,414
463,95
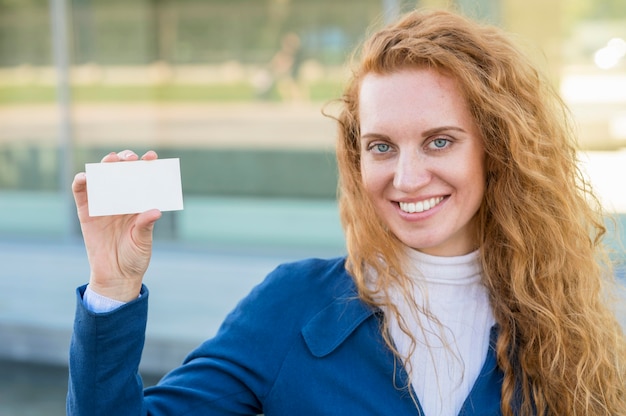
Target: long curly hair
560,346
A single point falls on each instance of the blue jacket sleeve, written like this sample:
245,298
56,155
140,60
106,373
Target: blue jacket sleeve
105,351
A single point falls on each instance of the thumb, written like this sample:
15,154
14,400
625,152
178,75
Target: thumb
144,225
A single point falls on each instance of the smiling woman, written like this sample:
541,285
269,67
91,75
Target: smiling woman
422,160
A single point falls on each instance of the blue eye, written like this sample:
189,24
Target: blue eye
381,147
440,143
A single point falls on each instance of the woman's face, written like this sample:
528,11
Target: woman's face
422,159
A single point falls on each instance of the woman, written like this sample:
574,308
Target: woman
475,278
560,348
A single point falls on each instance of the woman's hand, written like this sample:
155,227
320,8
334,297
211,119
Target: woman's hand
118,246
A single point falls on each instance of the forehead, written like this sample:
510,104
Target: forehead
418,95
425,81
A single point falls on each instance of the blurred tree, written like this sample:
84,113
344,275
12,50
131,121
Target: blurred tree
6,4
163,23
607,9
24,32
84,39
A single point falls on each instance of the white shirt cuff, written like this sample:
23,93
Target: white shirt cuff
98,303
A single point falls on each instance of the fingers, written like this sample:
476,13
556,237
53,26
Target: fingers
79,187
117,157
128,155
150,155
111,157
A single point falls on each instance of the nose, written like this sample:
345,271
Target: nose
411,173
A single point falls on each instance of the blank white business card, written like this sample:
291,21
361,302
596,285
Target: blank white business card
117,188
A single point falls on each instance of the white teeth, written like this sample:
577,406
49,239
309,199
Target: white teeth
420,206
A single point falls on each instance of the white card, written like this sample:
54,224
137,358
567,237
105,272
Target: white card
131,187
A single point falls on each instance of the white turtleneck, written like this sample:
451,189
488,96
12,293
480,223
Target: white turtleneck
448,356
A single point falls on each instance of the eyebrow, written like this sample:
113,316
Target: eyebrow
373,136
442,129
427,133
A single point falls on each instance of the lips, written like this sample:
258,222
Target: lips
420,206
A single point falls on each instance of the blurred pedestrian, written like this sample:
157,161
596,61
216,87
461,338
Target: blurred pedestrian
281,77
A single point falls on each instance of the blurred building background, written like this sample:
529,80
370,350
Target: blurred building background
236,90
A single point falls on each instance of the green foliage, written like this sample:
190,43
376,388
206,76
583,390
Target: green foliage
121,32
607,9
37,94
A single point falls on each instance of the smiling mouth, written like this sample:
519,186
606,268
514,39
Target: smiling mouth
421,206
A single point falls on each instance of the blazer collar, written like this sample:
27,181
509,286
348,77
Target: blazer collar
333,324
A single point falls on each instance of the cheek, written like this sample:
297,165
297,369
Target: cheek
369,178
477,182
475,174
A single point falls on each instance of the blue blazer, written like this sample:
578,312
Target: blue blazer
301,343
